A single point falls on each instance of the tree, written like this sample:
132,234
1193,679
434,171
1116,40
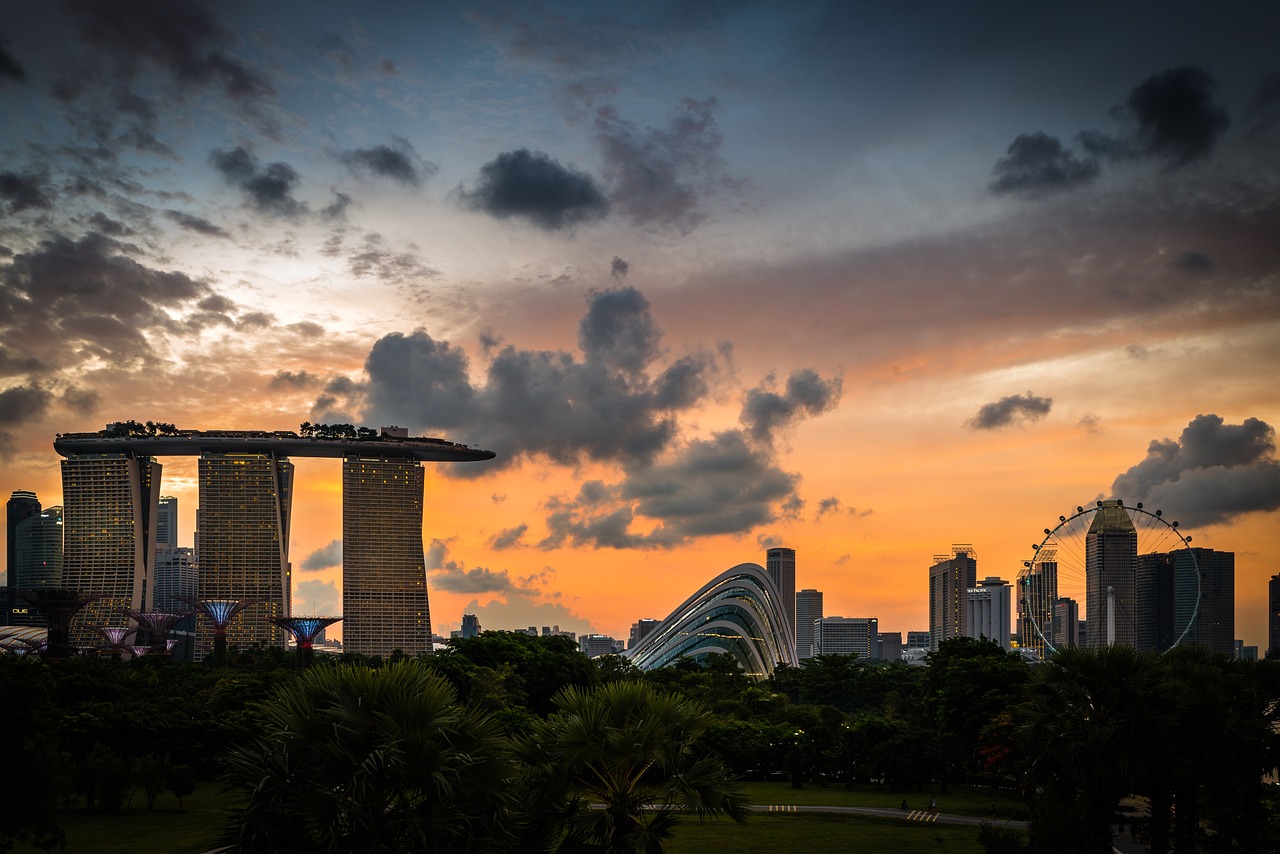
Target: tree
635,750
149,772
181,780
386,760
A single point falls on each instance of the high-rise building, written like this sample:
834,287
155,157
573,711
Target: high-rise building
990,610
1066,623
1215,623
808,610
847,636
596,645
950,579
177,582
470,626
384,569
639,629
22,505
1037,595
1111,569
889,646
167,522
242,542
108,511
918,640
1157,626
1273,617
38,541
780,563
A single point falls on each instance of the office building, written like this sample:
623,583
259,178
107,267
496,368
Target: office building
596,645
1273,617
847,636
1066,623
177,582
167,522
780,563
108,518
808,610
470,626
917,640
38,556
990,610
639,629
1215,623
384,570
22,505
1111,569
950,579
242,542
889,646
1157,626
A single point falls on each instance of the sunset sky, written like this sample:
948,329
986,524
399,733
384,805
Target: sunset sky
861,279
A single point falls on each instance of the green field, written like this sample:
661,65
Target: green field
957,800
769,833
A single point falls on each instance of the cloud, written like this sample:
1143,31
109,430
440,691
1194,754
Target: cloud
621,403
658,176
530,185
325,557
375,259
316,598
453,578
292,380
24,192
1194,262
337,209
508,538
1171,116
81,401
1211,474
619,268
269,189
1016,408
23,403
1036,165
10,68
829,505
198,224
397,161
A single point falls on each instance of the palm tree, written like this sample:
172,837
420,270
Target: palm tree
355,759
631,750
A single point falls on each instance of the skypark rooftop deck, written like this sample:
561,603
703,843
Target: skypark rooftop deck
283,443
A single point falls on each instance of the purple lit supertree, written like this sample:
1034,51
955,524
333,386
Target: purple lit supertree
157,624
140,650
59,607
115,636
304,631
220,612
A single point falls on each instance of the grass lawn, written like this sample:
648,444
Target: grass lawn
164,829
769,833
957,800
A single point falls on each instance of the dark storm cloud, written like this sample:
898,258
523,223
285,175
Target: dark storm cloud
324,557
1212,473
23,403
530,185
806,394
24,192
72,300
181,40
1262,112
619,268
508,538
658,176
81,401
105,225
293,381
1036,164
10,68
268,189
618,405
454,578
397,161
1194,262
1016,408
198,224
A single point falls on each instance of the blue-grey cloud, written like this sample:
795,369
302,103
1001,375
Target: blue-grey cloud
325,557
26,191
1194,262
529,185
10,68
1016,408
1036,164
397,161
268,189
508,538
806,394
198,224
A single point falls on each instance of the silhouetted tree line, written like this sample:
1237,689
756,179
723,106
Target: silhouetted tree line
336,431
1191,733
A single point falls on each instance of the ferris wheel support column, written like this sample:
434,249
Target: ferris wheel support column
1111,616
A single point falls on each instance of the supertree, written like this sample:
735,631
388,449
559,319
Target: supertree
115,636
59,607
220,612
304,631
157,624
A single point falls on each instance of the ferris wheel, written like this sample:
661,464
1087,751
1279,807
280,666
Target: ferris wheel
1124,573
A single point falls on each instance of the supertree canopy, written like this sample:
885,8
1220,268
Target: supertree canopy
115,636
220,612
59,607
157,624
304,631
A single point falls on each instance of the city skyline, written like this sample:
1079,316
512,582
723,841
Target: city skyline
709,280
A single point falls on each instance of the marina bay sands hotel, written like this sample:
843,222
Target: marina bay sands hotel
110,494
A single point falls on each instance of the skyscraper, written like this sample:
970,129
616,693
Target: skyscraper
1111,565
1215,624
38,562
167,522
1157,625
1273,617
990,609
950,578
1066,623
242,541
22,505
780,563
847,636
384,571
808,609
639,629
109,512
1036,598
